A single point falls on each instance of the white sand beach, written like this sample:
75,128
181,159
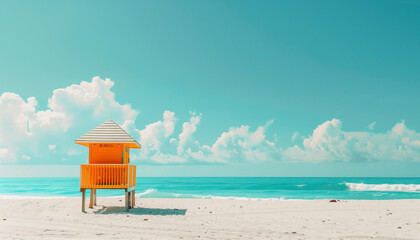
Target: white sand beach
61,218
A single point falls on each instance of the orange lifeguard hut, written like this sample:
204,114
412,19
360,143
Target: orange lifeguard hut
108,168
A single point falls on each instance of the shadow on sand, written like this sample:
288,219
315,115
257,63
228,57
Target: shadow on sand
141,211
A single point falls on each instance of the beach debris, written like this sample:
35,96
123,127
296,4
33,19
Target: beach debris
294,232
4,219
240,206
211,212
128,215
399,227
333,200
146,220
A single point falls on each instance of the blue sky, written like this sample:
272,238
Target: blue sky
237,80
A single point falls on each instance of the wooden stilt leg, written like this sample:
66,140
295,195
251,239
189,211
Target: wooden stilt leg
91,198
94,197
129,200
134,198
83,200
126,200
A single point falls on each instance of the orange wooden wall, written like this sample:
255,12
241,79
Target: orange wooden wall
106,153
126,155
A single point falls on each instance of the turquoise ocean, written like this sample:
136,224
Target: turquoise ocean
265,188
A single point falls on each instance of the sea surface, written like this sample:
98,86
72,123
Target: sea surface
265,188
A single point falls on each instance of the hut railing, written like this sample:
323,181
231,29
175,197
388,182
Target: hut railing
120,176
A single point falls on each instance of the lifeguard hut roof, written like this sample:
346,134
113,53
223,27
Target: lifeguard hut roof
108,132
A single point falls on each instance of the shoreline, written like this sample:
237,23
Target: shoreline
138,197
164,218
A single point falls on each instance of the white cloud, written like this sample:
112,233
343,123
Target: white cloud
25,131
6,155
327,143
186,138
295,136
330,143
239,144
20,118
74,152
372,125
20,123
156,134
160,157
90,100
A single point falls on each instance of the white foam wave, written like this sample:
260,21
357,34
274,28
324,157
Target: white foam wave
154,193
148,191
383,187
7,196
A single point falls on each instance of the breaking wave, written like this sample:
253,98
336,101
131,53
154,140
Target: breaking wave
153,193
383,187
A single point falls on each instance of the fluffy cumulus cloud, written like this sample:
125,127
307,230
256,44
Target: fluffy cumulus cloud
238,144
330,143
242,144
154,138
186,137
31,134
91,100
20,123
24,130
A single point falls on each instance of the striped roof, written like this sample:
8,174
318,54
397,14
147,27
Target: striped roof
108,132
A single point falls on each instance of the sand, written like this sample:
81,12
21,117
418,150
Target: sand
62,218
